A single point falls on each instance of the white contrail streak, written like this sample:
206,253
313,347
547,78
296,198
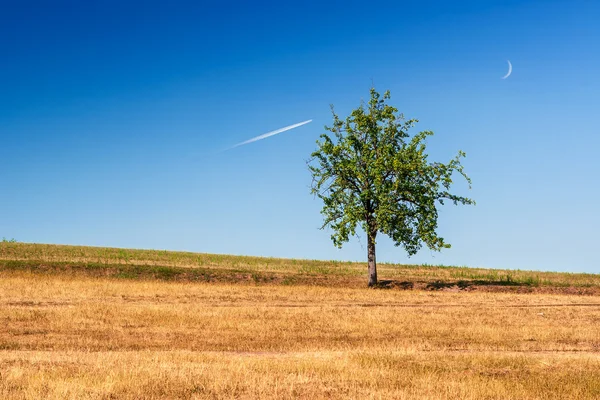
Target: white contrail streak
275,132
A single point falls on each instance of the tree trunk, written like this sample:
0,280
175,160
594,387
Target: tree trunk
371,258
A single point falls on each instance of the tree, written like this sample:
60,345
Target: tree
374,174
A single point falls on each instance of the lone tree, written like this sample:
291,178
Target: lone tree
373,173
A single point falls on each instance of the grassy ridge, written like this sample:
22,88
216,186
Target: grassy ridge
187,266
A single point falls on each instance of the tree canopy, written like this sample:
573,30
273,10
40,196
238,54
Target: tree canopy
373,174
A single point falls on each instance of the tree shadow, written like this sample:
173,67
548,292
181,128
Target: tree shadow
447,285
465,285
392,284
441,285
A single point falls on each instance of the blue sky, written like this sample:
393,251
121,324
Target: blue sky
113,115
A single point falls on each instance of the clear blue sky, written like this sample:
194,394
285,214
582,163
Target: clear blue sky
113,113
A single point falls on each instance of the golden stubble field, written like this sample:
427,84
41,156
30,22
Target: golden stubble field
74,337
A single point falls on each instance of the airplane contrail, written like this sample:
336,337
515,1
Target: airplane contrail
275,132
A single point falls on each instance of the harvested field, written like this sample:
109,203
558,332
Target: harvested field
72,335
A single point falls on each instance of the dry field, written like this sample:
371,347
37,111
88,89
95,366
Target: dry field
70,333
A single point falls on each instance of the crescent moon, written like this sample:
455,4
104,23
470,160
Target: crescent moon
509,70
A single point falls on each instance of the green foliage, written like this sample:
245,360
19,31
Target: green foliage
5,240
373,174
